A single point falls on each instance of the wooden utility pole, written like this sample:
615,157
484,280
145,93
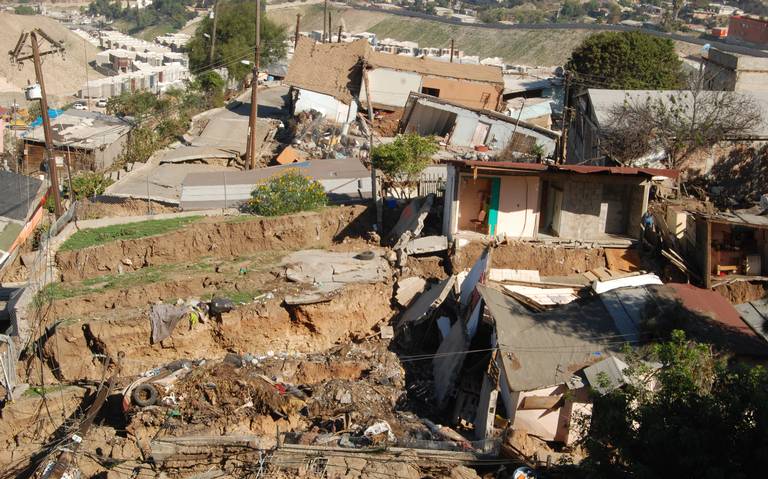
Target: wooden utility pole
451,50
18,57
213,33
250,151
339,39
374,186
296,39
330,28
325,19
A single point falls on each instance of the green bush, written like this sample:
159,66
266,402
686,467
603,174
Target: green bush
289,192
402,161
88,184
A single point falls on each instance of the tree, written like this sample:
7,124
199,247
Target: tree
402,161
286,192
235,40
626,60
678,122
703,419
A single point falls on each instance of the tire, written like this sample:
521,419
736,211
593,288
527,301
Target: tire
144,395
365,255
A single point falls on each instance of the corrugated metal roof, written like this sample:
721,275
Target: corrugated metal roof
581,169
746,217
720,322
83,129
755,314
545,349
611,370
18,195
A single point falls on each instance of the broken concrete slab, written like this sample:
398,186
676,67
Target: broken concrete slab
427,244
427,302
408,288
319,266
506,274
411,221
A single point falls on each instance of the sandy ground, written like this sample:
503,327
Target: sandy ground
64,76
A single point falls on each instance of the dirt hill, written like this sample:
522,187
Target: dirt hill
63,76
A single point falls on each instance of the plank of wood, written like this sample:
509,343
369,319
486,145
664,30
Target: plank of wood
623,259
540,402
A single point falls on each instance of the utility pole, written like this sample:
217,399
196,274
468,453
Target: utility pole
213,33
250,151
339,39
325,19
330,28
18,57
296,39
87,86
451,50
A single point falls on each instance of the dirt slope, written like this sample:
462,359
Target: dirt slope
63,76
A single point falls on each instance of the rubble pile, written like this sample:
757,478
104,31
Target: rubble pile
317,138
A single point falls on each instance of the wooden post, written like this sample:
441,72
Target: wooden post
330,28
296,38
339,39
53,174
251,147
325,20
451,50
374,187
213,33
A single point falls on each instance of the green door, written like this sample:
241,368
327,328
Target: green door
493,215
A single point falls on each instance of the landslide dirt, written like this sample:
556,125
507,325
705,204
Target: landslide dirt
549,260
73,350
215,237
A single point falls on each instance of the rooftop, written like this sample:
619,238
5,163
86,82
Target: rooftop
426,66
580,169
83,129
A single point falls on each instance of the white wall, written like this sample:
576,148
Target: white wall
518,206
390,87
329,106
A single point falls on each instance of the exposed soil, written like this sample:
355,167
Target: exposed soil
117,207
549,260
213,237
743,291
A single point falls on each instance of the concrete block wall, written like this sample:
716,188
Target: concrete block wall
580,213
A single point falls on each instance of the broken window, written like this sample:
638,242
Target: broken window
430,91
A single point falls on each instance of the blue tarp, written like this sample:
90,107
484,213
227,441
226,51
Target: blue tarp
52,113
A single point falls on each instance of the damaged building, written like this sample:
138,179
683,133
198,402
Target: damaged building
469,127
540,201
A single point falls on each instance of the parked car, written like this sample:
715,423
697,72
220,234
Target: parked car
79,106
101,103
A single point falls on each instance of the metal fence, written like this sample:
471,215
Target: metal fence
432,184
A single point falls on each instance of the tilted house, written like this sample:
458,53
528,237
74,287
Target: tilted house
469,127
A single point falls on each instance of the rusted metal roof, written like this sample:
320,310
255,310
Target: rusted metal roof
580,169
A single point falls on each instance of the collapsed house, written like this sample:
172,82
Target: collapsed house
86,141
326,77
541,347
393,77
464,126
331,77
540,201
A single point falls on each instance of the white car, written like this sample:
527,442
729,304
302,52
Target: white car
101,103
79,106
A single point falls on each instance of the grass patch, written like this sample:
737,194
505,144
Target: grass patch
148,275
43,390
237,297
98,236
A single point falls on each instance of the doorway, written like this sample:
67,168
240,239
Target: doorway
474,204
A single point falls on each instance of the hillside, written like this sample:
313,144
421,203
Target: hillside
64,76
523,47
